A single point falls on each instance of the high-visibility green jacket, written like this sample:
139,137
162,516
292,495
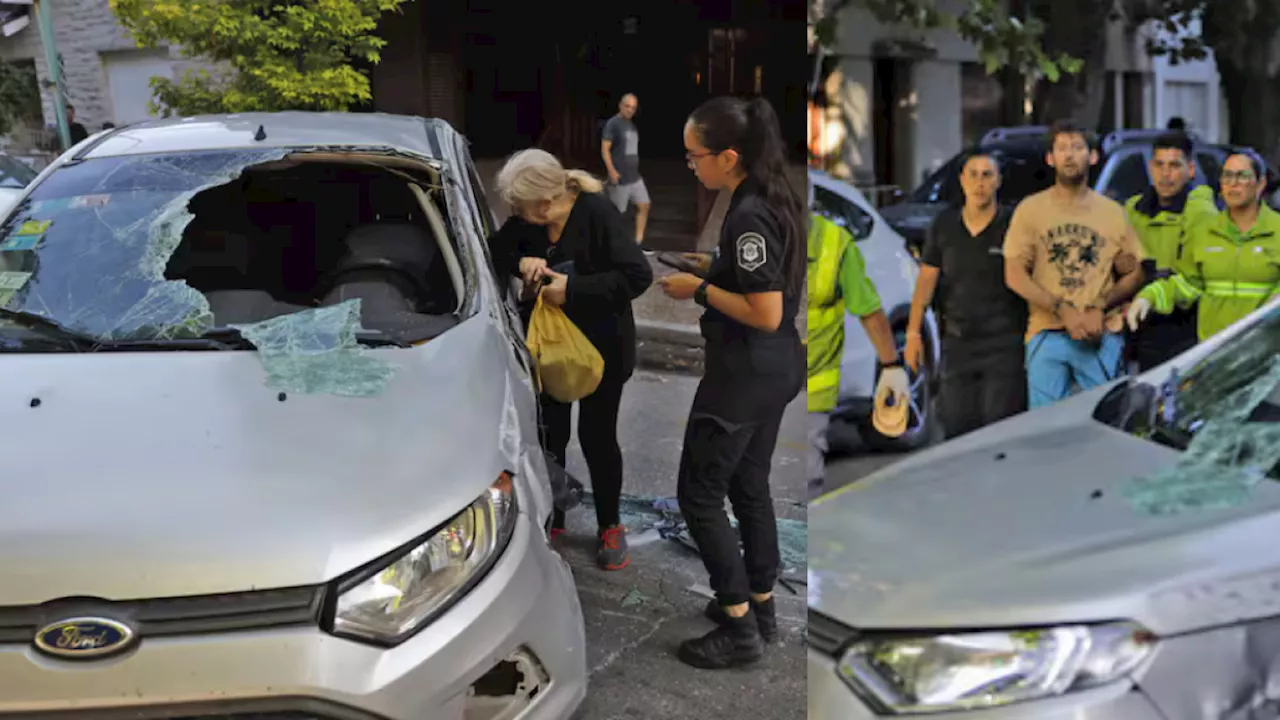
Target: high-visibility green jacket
1230,272
1162,230
838,281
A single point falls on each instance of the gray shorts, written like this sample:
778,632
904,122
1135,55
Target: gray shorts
632,193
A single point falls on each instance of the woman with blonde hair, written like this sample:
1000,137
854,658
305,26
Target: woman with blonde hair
565,233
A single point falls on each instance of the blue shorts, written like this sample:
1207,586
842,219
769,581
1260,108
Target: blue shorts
1055,363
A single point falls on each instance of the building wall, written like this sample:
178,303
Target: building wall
89,39
927,122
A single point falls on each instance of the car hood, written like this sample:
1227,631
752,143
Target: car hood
1026,523
162,474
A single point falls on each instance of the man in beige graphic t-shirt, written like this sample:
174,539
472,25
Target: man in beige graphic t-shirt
1071,254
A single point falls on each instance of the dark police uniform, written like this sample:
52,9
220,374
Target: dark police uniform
750,376
983,323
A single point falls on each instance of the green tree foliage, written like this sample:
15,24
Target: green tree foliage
19,96
1002,40
272,55
1244,36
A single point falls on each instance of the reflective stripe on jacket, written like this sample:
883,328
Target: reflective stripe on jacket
1229,272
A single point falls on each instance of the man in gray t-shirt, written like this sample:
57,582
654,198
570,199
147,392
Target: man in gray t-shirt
620,148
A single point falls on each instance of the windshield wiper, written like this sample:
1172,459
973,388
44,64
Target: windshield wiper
236,340
49,329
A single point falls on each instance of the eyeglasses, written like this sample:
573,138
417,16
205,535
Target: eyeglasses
1231,177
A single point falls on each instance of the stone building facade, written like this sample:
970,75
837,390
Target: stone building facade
106,75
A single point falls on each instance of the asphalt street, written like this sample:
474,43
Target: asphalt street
637,617
855,461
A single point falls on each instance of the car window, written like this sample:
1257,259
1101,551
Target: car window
1022,173
943,186
843,213
1129,177
15,173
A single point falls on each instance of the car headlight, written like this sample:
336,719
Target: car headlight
943,673
404,593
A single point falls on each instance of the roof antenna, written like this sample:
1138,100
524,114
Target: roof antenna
261,134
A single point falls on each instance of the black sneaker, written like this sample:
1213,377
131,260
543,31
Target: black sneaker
611,554
765,612
735,643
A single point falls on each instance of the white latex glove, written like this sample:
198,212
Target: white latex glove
894,381
1138,310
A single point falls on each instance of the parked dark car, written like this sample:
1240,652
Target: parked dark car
1121,173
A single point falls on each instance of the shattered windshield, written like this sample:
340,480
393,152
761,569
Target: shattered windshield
89,246
1223,415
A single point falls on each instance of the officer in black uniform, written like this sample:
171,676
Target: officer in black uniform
755,366
983,321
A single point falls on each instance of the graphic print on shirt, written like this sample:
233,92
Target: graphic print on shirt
750,250
1075,251
631,143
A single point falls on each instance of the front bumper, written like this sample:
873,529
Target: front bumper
524,615
831,699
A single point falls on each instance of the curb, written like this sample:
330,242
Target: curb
669,333
668,347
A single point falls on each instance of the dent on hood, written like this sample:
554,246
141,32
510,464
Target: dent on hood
1227,457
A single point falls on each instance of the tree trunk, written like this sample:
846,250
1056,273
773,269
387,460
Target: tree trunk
1253,118
1073,27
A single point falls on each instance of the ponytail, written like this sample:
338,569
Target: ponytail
583,181
753,130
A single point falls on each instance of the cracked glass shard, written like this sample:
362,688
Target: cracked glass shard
1228,455
316,351
113,224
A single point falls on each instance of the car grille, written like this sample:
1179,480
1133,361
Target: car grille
828,636
174,616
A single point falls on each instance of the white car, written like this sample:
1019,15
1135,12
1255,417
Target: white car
893,270
1109,557
272,432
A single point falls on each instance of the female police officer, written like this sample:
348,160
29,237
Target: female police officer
754,367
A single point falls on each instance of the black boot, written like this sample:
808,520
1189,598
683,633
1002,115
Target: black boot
736,642
765,612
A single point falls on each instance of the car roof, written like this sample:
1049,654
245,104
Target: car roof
420,136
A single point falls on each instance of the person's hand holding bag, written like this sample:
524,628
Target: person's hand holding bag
556,291
531,269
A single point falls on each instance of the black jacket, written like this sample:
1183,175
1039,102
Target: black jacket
608,271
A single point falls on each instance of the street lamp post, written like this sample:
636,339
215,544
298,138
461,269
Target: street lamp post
44,18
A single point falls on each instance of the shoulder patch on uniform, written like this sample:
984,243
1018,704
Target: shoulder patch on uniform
750,249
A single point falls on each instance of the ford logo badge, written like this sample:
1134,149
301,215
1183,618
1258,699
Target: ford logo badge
84,638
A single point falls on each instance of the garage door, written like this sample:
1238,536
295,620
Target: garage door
129,79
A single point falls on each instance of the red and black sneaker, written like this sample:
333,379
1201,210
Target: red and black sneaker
611,554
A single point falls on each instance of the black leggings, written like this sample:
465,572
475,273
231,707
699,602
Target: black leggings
598,436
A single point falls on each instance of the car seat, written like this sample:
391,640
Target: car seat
394,267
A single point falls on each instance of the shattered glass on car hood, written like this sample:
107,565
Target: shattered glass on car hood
1223,416
89,247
